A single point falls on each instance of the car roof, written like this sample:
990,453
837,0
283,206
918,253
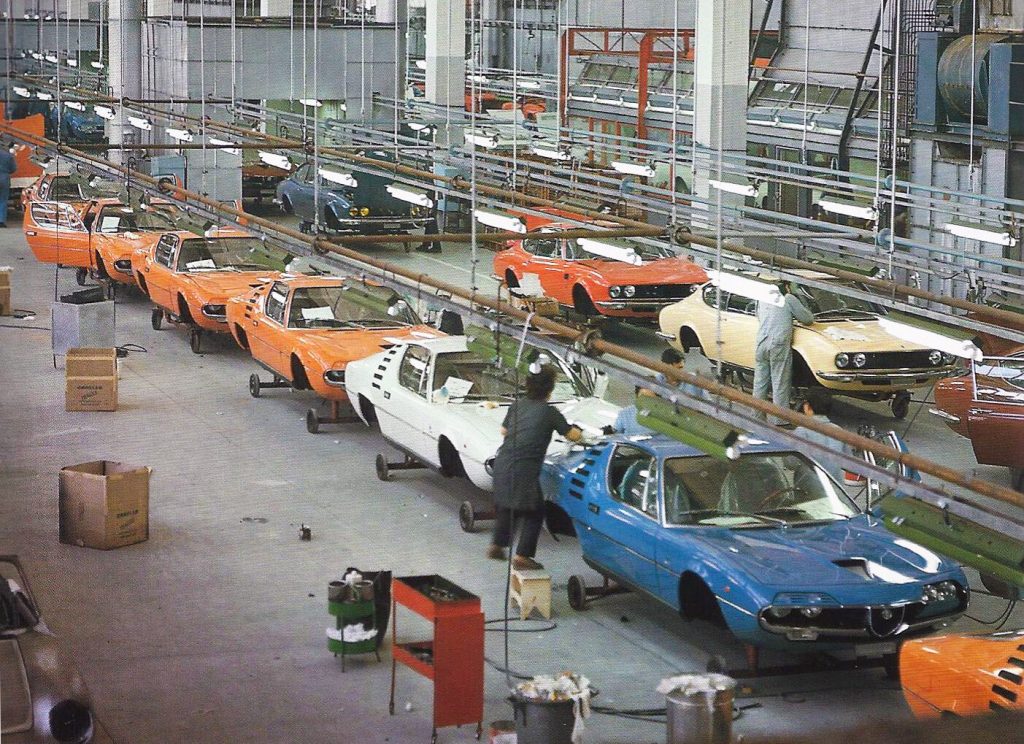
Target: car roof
441,344
305,280
664,446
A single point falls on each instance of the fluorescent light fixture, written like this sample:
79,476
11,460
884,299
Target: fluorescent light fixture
633,169
486,141
612,249
52,58
23,92
141,122
528,83
182,135
418,126
342,179
849,209
96,65
980,232
930,339
229,147
500,220
76,105
733,187
71,62
313,102
479,78
551,152
37,55
410,194
746,287
104,112
276,160
42,95
421,64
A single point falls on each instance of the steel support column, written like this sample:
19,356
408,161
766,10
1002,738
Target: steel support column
124,65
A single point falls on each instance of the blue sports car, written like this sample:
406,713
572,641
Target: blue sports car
767,544
76,126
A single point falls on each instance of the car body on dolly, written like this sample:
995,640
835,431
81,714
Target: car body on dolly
844,350
305,330
44,700
97,239
766,543
637,284
363,205
67,188
75,126
986,405
190,277
443,403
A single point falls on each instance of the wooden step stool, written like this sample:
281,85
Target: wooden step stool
531,590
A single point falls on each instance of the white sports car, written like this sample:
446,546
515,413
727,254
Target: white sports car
442,404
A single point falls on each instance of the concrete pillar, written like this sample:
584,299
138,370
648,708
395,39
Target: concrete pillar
446,52
275,8
124,65
386,11
720,95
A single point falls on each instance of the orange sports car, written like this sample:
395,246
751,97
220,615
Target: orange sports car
963,675
190,277
98,239
598,277
304,330
69,188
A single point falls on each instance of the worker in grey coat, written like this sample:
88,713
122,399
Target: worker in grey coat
773,351
7,168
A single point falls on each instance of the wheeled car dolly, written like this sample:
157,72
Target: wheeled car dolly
580,594
195,334
256,384
313,419
469,516
384,467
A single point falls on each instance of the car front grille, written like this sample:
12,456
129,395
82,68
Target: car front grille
663,291
898,359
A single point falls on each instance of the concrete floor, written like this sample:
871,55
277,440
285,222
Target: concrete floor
213,630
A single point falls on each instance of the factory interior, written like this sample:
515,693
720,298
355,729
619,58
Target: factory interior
514,371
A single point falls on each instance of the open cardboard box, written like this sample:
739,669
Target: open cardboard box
104,504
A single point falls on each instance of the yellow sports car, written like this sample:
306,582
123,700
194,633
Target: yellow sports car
845,349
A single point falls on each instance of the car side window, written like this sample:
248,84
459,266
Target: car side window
307,176
44,189
412,374
711,295
543,247
165,249
739,304
633,479
302,173
276,300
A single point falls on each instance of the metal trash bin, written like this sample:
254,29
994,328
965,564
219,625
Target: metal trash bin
700,709
542,721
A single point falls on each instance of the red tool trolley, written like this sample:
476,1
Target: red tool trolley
453,658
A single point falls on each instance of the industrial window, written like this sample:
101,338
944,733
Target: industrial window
412,374
164,253
1001,7
276,299
633,479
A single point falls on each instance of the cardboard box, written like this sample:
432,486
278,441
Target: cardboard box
91,380
5,290
104,504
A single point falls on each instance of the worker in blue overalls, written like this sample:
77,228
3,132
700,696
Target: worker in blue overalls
7,166
773,351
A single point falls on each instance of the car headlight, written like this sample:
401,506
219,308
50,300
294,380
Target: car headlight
629,290
935,358
842,360
779,612
215,311
364,211
810,611
614,291
859,360
489,465
948,358
123,264
334,377
70,721
353,212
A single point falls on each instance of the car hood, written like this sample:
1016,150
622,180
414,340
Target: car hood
341,347
226,284
857,552
16,702
662,271
857,335
125,244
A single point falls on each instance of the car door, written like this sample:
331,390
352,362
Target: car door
405,413
158,269
301,192
543,261
626,517
56,234
995,417
267,328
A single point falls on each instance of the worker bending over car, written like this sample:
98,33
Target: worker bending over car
773,351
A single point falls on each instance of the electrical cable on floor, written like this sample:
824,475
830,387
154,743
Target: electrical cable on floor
547,625
25,327
1003,616
125,349
917,413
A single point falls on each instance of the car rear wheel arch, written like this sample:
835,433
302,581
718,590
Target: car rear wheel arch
697,601
300,380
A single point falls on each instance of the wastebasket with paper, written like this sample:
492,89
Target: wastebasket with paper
699,708
550,710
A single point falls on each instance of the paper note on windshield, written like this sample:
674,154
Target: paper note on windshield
457,387
110,223
317,313
206,263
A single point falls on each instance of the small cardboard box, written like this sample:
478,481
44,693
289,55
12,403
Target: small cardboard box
104,504
5,290
91,380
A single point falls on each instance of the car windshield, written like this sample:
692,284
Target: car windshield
16,611
552,248
65,188
757,490
207,254
827,305
465,376
348,307
126,219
